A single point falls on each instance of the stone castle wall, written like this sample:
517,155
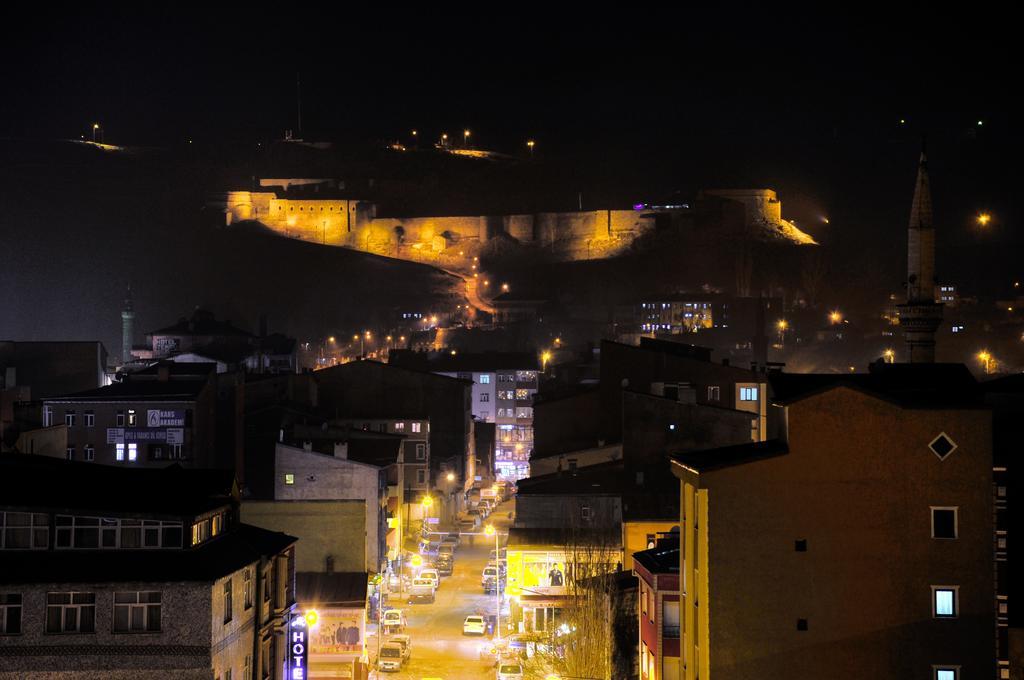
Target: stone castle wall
440,240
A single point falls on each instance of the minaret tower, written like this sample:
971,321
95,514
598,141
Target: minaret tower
127,328
920,316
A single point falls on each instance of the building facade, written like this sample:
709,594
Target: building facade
136,574
862,543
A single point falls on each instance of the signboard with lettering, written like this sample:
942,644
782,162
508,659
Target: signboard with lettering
339,631
298,649
165,418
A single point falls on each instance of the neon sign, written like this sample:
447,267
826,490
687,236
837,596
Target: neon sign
298,649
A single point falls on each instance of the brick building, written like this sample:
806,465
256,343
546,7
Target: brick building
130,574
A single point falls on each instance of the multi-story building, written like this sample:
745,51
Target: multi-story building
657,570
128,574
679,314
861,542
415,460
504,385
164,413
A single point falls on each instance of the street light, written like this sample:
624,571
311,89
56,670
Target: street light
984,219
835,316
890,356
489,530
450,477
986,359
782,325
530,144
95,128
465,138
545,357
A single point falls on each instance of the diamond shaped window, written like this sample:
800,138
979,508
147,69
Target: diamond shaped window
942,446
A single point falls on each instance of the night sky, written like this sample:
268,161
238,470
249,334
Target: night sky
809,106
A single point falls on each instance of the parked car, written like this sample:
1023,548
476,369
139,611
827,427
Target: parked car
499,555
510,671
491,579
406,642
450,541
432,575
393,621
444,564
469,524
422,590
473,625
391,658
452,537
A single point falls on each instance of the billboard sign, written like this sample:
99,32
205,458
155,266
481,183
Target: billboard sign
298,649
156,417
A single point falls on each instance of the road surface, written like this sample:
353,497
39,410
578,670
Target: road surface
439,649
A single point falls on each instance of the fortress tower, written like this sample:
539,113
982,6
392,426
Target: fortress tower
920,316
127,328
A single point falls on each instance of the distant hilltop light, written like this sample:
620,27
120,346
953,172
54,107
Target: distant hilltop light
980,123
984,219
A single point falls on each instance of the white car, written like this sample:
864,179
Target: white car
391,657
474,625
432,575
510,671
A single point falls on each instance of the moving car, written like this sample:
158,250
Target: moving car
422,589
406,642
473,625
444,564
391,657
510,671
446,549
393,621
451,541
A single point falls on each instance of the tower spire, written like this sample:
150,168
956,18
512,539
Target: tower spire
127,327
920,316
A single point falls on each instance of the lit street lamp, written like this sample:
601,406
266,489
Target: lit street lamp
984,219
986,359
890,356
95,129
530,144
465,138
782,325
835,316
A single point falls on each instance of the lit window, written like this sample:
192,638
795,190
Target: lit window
944,522
289,479
416,427
399,426
485,379
944,601
133,451
119,447
947,673
748,394
132,418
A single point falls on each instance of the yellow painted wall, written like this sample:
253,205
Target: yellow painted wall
634,537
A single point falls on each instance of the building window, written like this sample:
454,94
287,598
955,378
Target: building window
714,393
416,427
289,478
119,451
133,452
748,394
133,418
89,453
70,612
485,379
247,668
522,394
670,619
421,452
942,446
70,453
485,396
947,672
10,613
90,419
945,602
421,476
400,425
586,514
47,416
69,418
102,532
944,523
137,612
227,601
24,530
247,587
120,418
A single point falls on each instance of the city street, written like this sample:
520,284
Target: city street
439,649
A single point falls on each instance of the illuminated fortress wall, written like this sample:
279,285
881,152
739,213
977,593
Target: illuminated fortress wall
440,240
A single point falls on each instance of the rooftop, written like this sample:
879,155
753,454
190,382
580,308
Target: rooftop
343,588
908,385
41,481
565,538
663,559
130,389
202,322
727,456
478,362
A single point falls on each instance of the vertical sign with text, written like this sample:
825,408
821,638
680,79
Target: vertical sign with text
298,649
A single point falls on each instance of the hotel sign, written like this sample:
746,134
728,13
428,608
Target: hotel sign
298,649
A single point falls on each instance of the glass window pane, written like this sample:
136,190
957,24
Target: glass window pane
131,537
18,538
153,617
137,615
70,618
944,603
53,619
88,619
126,598
121,618
172,537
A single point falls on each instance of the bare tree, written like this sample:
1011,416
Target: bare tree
580,641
